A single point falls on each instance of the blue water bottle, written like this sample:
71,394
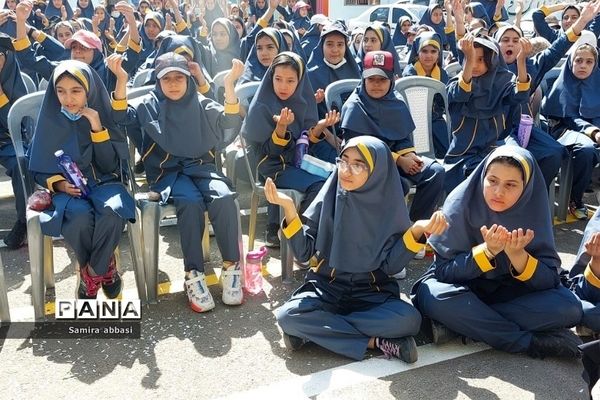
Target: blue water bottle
301,149
72,172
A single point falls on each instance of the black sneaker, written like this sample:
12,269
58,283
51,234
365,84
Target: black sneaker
111,281
557,343
88,285
441,334
16,236
292,343
404,348
271,236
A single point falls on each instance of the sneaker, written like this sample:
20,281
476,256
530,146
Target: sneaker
199,298
231,279
400,275
404,348
271,236
584,331
88,284
581,213
421,254
139,168
16,236
111,281
441,333
557,343
292,343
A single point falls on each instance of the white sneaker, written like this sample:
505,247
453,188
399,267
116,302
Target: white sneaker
199,298
421,254
400,275
231,279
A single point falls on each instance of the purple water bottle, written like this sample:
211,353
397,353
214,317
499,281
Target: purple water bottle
72,172
253,281
301,149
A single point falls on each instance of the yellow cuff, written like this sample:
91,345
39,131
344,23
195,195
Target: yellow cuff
395,156
120,48
52,180
481,259
591,277
410,242
314,139
118,105
21,44
204,88
279,141
180,26
464,85
529,270
571,35
406,151
232,108
545,10
262,22
41,37
292,228
497,17
459,36
3,100
448,29
524,86
99,137
204,31
137,47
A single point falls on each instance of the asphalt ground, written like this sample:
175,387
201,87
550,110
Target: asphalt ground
238,352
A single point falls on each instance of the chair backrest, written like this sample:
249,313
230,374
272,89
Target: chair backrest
29,84
453,69
418,93
26,106
219,79
140,78
336,91
136,92
245,92
43,84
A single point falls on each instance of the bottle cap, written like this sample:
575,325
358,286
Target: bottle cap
59,153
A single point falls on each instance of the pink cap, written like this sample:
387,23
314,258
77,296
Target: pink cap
300,4
86,39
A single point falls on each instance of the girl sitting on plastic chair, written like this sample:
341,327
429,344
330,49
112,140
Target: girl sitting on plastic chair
180,132
348,302
76,117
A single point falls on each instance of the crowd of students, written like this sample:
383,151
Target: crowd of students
496,276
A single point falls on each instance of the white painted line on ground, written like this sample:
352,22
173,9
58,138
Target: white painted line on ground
357,372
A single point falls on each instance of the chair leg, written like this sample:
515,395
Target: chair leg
36,246
4,306
135,244
206,239
564,192
240,238
551,198
150,225
252,223
287,257
48,262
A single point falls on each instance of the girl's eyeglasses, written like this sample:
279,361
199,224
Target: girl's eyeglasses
355,169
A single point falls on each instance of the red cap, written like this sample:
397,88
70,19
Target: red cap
86,39
378,63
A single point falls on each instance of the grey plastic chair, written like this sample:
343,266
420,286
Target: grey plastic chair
152,214
453,69
29,84
140,78
4,306
418,93
43,84
335,91
40,246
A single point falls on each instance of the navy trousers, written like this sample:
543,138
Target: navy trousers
430,187
507,326
585,157
192,197
12,169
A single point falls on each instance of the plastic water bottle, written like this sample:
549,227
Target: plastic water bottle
253,280
72,172
301,149
524,132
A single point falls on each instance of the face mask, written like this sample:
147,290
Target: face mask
70,116
115,14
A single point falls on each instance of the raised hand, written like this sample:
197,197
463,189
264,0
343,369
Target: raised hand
525,49
23,10
285,118
236,71
467,47
495,238
127,10
517,240
63,13
115,65
77,13
92,116
275,197
437,224
331,118
319,95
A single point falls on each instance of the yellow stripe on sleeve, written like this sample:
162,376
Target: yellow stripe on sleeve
410,242
292,228
529,270
99,137
591,277
481,259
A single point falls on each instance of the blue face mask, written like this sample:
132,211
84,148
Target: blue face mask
70,116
